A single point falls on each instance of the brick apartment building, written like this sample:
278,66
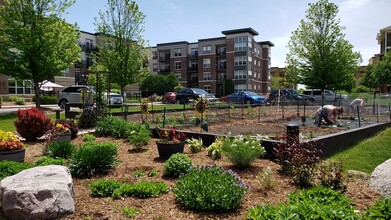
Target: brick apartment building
209,63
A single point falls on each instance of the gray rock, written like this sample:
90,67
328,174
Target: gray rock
44,192
381,179
357,175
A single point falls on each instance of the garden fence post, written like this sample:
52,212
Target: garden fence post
164,116
358,115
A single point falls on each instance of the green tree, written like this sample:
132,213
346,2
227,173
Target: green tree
378,74
319,56
278,83
36,42
159,84
122,52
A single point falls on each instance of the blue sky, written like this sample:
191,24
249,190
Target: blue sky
274,20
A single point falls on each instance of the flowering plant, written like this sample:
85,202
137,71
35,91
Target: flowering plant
171,136
61,128
9,141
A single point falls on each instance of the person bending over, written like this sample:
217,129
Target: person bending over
329,113
356,102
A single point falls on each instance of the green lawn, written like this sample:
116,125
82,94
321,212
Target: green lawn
7,121
368,154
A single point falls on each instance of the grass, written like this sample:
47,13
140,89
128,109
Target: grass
366,155
7,121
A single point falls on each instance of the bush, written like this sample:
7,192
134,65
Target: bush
13,98
87,118
331,175
93,158
210,189
142,189
32,123
114,127
316,203
176,165
298,161
214,150
140,136
46,100
9,168
242,150
195,145
60,149
380,210
73,128
20,101
104,188
89,138
44,161
361,89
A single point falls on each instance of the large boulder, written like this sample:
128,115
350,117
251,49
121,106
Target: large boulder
44,192
381,179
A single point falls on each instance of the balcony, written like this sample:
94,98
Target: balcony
221,54
164,70
222,67
88,48
193,69
192,83
194,55
165,58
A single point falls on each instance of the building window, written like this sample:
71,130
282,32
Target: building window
155,55
89,44
240,43
207,49
207,88
178,52
194,52
206,76
155,67
19,87
240,87
177,65
240,61
206,63
178,76
240,74
66,73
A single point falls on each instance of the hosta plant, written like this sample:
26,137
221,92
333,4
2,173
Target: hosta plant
176,165
194,144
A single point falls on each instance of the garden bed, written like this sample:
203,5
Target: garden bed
166,206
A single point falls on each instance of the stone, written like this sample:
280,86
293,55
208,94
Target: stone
381,179
44,192
357,175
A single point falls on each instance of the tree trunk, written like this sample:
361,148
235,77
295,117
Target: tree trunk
37,92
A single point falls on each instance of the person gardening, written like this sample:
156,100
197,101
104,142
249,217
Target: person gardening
329,113
357,102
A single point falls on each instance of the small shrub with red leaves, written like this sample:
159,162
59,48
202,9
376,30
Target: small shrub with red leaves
32,123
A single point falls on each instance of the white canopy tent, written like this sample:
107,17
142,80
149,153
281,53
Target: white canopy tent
46,85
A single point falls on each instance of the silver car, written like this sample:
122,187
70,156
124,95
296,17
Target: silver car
116,99
73,95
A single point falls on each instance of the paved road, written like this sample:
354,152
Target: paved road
4,110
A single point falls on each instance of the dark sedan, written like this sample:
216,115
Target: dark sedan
245,97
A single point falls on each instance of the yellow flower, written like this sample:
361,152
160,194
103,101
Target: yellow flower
201,105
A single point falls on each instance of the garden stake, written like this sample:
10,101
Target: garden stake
298,108
153,118
358,115
164,116
259,113
377,112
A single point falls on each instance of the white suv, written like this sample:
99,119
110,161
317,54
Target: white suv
330,97
72,95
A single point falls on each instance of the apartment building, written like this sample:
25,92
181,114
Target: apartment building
210,63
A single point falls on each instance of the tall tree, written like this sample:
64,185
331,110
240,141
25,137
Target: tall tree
319,56
122,50
35,41
378,74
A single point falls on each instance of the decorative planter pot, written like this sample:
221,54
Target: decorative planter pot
62,137
13,155
166,150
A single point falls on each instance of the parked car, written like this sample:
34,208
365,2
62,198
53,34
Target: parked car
186,95
330,97
72,95
116,99
169,97
245,97
289,95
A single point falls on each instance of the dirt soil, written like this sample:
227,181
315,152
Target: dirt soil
165,206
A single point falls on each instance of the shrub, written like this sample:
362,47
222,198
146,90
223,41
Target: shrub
60,149
195,145
142,189
316,203
265,180
130,212
73,128
138,173
87,118
214,150
331,175
210,189
46,100
242,150
298,160
93,158
20,101
44,161
380,210
140,136
89,138
361,89
104,188
9,168
176,165
32,123
114,127
16,99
